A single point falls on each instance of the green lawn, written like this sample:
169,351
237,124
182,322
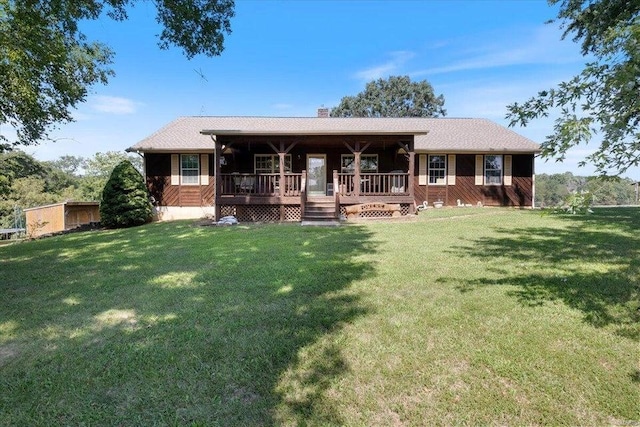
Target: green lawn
461,316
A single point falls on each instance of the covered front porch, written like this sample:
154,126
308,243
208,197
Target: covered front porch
285,178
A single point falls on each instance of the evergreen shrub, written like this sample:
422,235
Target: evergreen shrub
125,200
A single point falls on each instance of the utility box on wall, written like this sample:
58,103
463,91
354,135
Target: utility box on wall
60,217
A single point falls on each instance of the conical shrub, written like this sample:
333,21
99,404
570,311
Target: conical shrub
125,200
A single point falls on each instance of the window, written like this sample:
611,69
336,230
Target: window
437,169
368,163
270,163
493,170
190,169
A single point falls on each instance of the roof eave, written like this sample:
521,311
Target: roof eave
453,150
168,150
232,132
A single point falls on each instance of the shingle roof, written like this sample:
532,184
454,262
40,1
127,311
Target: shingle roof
472,135
431,134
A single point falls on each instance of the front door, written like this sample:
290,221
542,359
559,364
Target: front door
316,174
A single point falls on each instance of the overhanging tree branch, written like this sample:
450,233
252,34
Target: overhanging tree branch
604,98
47,65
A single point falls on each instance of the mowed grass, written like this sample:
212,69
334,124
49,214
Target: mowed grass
461,316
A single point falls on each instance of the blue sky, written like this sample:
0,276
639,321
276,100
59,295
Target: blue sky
287,58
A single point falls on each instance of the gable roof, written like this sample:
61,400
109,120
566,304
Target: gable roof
430,134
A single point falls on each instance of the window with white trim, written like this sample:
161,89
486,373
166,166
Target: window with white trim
493,169
270,163
368,163
437,169
190,169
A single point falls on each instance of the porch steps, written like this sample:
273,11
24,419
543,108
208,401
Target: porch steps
320,211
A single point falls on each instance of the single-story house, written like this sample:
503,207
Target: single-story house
297,168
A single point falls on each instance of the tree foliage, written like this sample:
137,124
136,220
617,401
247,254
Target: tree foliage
98,169
553,190
68,164
47,64
604,97
15,165
26,182
397,96
125,201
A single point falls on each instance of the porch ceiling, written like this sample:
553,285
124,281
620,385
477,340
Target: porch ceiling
315,141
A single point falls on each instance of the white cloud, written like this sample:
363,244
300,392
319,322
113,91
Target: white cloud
398,59
536,46
113,104
488,95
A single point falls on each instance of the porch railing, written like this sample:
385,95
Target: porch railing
268,184
265,184
374,184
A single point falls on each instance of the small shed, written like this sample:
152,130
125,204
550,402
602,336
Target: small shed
60,217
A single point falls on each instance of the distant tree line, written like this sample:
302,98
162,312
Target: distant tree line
555,189
26,182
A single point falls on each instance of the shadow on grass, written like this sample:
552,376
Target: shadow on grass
592,265
172,324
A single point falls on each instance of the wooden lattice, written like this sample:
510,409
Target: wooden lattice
258,213
404,211
271,213
292,213
261,213
227,210
376,214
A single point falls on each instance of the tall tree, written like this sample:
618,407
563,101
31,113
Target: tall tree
397,96
47,64
15,165
68,164
102,164
98,169
604,97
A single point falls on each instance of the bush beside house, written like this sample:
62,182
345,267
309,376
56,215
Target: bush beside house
125,200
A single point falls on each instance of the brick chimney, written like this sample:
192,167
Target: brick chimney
323,112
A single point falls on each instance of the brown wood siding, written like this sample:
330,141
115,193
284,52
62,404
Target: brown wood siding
419,191
158,168
80,215
45,220
60,217
240,154
518,194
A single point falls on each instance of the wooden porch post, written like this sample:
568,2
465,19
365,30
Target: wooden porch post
282,152
356,175
216,178
412,160
281,155
281,183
